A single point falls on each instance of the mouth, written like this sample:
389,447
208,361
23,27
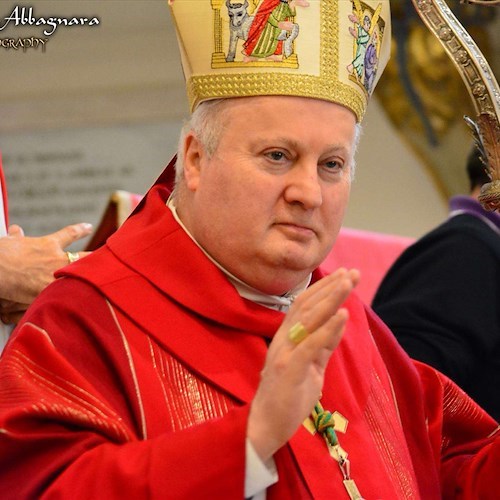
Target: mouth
296,230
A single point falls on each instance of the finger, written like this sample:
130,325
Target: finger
7,307
12,312
11,318
340,279
72,233
329,335
315,349
305,365
6,304
15,230
325,339
324,287
316,309
332,281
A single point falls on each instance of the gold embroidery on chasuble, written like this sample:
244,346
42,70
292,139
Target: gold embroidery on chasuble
56,397
383,421
457,404
189,401
132,371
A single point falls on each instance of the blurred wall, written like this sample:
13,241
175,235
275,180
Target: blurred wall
110,98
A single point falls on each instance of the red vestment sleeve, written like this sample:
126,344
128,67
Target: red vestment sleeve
469,465
464,439
69,435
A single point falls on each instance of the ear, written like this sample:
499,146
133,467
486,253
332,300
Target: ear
194,154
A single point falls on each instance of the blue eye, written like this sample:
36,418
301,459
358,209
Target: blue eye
276,155
333,164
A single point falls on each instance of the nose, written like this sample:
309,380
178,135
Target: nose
304,187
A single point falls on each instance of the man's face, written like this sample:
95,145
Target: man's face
269,203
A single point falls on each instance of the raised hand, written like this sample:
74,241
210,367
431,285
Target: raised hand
293,375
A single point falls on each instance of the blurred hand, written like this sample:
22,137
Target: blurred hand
11,312
293,374
27,265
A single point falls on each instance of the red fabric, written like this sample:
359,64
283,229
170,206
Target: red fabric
465,441
126,381
372,253
258,24
3,186
76,427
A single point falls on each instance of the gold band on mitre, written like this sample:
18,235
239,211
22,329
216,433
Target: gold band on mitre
334,50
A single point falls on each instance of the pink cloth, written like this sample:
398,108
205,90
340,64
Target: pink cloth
370,252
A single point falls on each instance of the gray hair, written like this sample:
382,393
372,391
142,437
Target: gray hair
207,124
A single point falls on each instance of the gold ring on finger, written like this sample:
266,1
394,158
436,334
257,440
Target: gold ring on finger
297,333
72,256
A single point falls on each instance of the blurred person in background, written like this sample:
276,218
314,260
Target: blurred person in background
441,298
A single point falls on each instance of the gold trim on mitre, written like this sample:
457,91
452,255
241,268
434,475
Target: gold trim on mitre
334,50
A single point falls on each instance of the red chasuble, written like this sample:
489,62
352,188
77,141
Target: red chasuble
131,377
4,213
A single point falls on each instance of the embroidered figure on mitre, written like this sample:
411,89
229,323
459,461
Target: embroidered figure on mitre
273,31
239,25
371,60
367,38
